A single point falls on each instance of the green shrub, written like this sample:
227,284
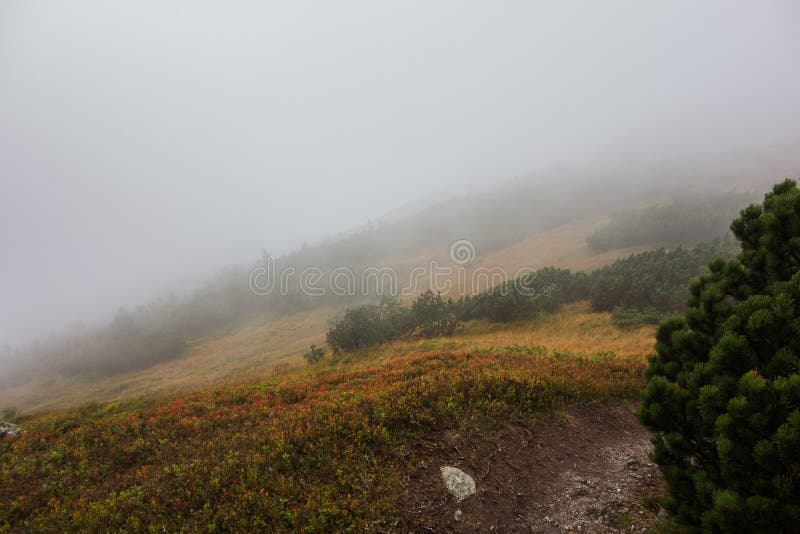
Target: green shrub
634,318
526,297
314,354
684,220
369,325
431,316
654,279
724,390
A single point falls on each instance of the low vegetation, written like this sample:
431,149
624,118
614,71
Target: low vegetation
686,220
639,290
629,318
525,298
430,315
648,286
316,452
371,324
314,354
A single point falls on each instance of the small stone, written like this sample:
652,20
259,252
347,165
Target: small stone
457,515
458,483
10,430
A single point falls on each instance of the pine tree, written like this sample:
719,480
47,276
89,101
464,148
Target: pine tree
724,390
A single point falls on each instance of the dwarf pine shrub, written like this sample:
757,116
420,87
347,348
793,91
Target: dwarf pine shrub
724,390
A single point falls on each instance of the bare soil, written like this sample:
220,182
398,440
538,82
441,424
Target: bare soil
585,469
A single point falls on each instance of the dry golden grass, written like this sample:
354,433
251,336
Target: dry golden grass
574,329
258,351
562,246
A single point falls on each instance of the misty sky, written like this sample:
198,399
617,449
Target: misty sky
144,145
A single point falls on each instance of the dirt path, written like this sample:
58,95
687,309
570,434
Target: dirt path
582,470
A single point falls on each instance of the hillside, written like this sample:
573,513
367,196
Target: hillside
327,447
239,432
520,224
259,343
255,346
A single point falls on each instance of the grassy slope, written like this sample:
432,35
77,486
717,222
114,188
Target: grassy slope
562,246
317,448
261,344
575,329
256,346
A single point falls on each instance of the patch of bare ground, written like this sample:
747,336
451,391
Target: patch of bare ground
583,469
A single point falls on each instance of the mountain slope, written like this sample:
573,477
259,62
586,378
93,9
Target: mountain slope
320,448
262,342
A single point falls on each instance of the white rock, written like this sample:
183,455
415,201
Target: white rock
458,483
10,430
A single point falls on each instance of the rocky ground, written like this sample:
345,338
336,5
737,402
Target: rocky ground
585,469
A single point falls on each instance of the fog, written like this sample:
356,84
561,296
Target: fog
146,145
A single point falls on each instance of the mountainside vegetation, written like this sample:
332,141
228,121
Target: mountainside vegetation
319,450
136,339
646,287
640,289
328,446
685,220
428,316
